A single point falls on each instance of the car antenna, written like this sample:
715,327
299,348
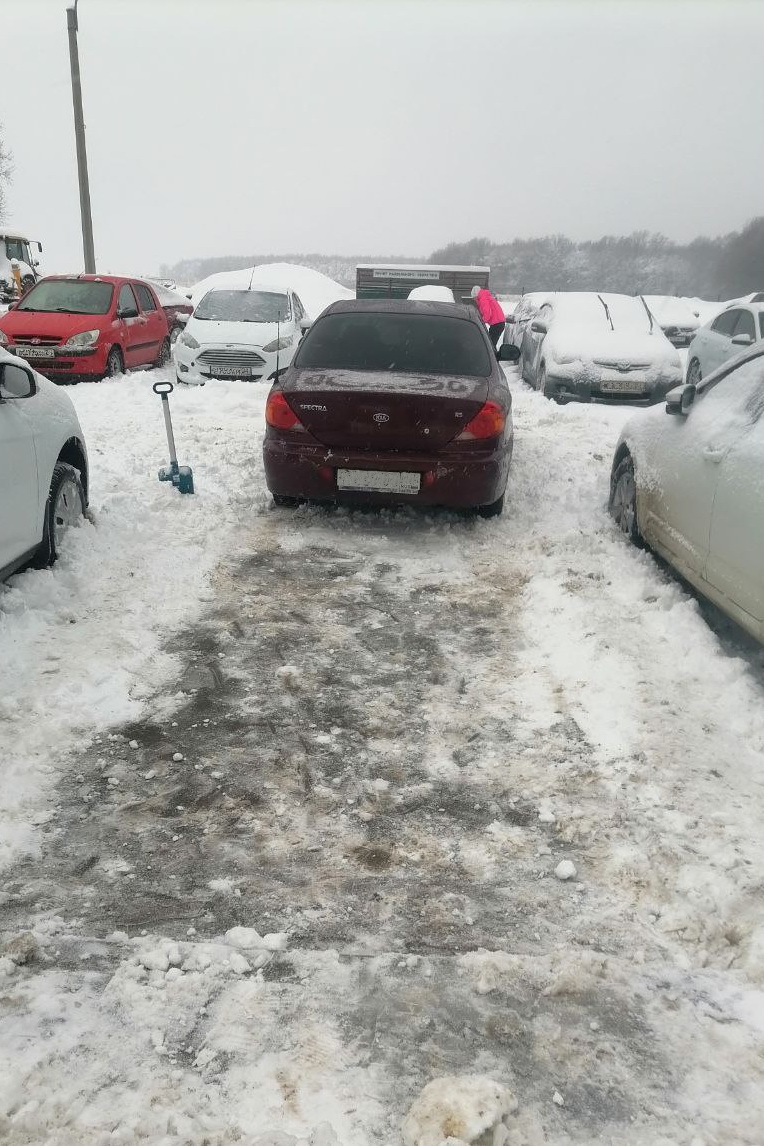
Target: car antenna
649,312
607,311
250,279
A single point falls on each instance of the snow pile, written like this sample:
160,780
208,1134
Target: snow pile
316,291
458,1110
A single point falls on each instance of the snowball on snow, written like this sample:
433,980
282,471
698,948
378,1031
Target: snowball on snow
565,869
456,1106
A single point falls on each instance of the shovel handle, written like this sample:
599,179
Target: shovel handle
163,388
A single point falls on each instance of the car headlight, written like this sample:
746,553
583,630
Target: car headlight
188,340
3,339
86,338
279,343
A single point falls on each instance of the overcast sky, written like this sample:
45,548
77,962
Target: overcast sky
221,127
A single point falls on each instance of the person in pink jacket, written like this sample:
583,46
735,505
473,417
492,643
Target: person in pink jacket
491,313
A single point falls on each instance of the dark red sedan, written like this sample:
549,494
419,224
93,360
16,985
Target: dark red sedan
391,402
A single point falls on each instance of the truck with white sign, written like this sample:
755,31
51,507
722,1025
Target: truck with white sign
397,280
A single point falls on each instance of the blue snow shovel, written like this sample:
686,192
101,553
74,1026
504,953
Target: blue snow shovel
180,476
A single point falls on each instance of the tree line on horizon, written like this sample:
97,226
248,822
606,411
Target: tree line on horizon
640,263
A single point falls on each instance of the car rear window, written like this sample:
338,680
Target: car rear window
65,296
404,343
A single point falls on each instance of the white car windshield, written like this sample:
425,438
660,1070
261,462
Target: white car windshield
243,306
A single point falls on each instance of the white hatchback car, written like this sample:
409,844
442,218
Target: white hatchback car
692,486
726,336
234,333
43,467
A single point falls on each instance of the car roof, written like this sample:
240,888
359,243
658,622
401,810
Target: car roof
113,279
749,355
403,306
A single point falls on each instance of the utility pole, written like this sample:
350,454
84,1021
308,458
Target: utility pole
79,134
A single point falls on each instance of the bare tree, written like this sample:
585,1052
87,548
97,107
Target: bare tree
6,169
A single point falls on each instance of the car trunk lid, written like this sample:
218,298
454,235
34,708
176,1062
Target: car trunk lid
367,410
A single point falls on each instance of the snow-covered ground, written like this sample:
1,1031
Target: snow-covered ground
306,811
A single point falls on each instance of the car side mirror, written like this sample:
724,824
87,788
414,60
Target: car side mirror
509,353
126,312
511,320
680,400
189,296
15,382
182,318
539,327
742,340
305,324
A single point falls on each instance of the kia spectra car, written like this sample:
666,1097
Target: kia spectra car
391,402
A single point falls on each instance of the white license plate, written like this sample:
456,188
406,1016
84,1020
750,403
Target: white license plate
623,386
34,351
379,481
232,371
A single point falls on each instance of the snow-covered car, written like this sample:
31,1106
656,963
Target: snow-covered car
527,308
598,347
722,339
691,486
675,317
432,293
43,466
177,308
240,333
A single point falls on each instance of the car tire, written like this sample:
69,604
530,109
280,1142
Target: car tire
164,354
65,507
284,502
694,375
115,363
493,509
622,503
175,334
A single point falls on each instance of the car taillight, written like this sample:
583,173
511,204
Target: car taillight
489,422
279,414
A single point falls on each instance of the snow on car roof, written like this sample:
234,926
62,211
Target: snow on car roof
315,290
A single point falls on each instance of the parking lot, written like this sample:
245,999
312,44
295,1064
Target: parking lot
291,790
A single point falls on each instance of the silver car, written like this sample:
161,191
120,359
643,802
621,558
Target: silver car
691,486
729,334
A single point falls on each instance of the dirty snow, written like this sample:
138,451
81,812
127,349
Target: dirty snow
318,903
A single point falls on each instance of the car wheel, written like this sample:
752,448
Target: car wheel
694,375
65,508
623,499
164,354
174,333
493,509
285,502
114,363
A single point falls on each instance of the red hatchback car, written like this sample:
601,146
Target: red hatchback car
87,326
390,402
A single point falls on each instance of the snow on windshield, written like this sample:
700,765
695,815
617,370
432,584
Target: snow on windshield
69,297
243,306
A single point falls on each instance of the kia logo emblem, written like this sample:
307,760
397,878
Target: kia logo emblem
381,417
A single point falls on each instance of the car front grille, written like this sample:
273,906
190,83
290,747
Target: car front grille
242,359
619,365
39,340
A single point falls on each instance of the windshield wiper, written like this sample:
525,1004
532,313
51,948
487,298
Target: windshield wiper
607,312
649,312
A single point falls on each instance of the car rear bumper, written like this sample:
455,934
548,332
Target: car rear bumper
585,390
457,481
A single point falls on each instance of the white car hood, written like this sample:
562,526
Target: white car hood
259,334
611,346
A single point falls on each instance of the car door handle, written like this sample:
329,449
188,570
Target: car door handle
714,454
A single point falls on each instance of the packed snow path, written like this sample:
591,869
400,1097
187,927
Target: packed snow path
307,809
